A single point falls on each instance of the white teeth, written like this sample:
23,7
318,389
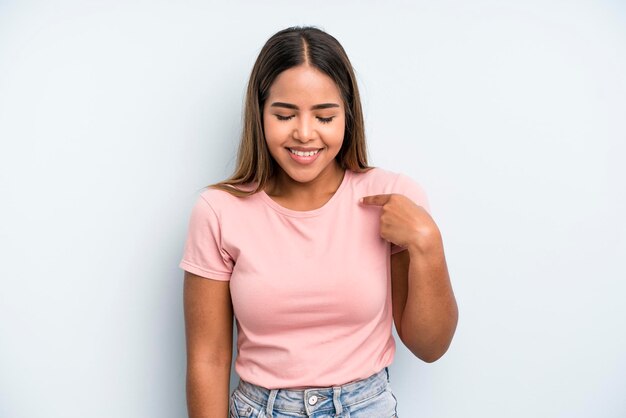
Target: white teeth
303,154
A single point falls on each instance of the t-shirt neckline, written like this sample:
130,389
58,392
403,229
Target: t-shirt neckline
307,213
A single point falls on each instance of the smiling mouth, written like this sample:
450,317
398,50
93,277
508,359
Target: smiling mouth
304,153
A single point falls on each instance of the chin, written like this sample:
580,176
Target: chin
302,177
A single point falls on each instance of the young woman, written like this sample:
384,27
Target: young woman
314,252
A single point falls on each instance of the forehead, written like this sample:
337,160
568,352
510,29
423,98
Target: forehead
304,84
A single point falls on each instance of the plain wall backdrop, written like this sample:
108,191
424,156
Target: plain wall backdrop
114,115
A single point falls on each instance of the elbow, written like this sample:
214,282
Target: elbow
430,357
430,353
429,346
217,358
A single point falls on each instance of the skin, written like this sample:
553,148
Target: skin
208,330
424,308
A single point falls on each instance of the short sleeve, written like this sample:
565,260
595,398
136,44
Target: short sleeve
413,190
203,253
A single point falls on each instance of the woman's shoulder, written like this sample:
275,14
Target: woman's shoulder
226,197
379,181
375,177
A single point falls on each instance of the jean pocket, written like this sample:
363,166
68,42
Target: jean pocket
383,405
242,407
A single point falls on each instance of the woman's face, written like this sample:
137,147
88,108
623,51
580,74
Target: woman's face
304,123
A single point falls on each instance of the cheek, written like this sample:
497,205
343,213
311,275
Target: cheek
273,128
269,129
337,134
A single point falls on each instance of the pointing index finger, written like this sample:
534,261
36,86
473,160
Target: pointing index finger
375,200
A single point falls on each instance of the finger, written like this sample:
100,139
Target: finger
376,200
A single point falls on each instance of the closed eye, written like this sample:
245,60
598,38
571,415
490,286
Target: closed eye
325,120
281,117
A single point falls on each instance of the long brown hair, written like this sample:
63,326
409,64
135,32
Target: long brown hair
286,49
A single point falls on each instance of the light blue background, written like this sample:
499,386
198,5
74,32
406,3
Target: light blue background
114,114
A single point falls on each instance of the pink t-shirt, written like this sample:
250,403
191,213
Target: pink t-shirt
311,290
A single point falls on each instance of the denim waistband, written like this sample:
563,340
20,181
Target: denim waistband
315,399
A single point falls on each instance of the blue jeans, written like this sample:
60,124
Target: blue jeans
367,398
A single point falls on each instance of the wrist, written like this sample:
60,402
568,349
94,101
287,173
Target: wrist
425,241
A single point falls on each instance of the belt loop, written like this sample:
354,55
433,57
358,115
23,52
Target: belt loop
337,401
270,403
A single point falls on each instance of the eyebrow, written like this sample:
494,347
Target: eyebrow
314,107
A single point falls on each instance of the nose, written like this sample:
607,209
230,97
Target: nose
303,131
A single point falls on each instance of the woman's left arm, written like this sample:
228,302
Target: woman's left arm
424,307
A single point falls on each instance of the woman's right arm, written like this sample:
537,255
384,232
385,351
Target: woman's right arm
209,337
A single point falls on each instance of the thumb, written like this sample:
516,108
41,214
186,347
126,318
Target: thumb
375,200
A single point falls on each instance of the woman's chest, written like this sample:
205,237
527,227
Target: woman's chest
319,269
